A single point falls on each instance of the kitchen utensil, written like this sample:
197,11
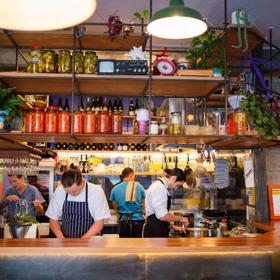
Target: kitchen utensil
197,232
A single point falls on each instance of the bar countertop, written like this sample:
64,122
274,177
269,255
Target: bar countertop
269,241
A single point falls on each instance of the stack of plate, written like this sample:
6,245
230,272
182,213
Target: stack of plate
221,173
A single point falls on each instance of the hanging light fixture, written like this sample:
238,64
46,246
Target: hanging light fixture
177,22
44,15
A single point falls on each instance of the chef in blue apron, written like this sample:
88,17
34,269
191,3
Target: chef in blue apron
77,208
157,204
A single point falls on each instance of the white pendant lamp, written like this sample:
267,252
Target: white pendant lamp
177,22
44,15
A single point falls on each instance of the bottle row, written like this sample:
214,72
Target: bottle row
99,146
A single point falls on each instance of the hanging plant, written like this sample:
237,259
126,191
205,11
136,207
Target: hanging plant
259,111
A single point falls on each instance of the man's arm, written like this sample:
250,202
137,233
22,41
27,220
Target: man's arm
115,206
38,206
175,218
56,228
3,202
94,229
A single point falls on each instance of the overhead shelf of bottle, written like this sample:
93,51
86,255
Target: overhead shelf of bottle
64,40
125,85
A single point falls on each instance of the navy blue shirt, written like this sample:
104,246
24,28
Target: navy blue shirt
134,208
30,194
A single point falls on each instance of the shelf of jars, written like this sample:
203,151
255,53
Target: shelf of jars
64,40
122,85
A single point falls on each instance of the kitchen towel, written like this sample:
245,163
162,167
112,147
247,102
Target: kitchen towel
130,194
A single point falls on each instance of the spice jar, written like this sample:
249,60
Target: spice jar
89,122
38,120
163,127
116,123
51,119
154,128
176,120
36,63
28,122
49,58
79,62
90,62
239,119
78,122
64,62
63,122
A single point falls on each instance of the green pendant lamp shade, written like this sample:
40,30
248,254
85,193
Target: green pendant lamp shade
177,22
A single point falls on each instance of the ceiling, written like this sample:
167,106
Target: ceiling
265,13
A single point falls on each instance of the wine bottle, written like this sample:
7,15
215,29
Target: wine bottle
86,165
132,147
120,106
93,104
138,147
110,108
70,146
136,107
88,106
111,147
82,146
64,146
81,164
105,147
88,146
66,107
99,146
94,146
59,105
76,146
58,146
131,108
115,107
81,105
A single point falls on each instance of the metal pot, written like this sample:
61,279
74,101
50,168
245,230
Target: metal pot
197,232
19,230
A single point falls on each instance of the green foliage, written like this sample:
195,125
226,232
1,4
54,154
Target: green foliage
145,14
10,102
26,218
205,47
259,111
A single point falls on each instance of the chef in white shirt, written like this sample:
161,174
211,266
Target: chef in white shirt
79,205
157,204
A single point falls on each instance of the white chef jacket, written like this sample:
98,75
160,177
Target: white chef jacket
97,202
156,199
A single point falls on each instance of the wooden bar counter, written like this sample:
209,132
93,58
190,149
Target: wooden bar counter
143,258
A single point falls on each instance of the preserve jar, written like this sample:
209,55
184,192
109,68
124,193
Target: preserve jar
239,119
116,125
154,128
64,62
230,128
63,122
38,120
176,120
90,62
79,62
89,122
28,122
103,122
35,62
49,61
163,127
78,122
51,119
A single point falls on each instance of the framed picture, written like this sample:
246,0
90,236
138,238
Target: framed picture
274,201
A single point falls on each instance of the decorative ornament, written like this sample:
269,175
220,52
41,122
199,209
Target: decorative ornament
137,53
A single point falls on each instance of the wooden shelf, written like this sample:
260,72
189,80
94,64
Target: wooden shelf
125,85
64,40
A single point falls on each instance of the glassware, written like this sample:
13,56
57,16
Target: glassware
79,62
63,122
36,63
176,120
89,123
51,119
49,58
90,62
154,128
239,118
38,120
78,122
64,62
28,122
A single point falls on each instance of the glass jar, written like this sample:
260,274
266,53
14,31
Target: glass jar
63,126
51,119
163,127
103,122
230,128
154,128
28,122
79,62
176,120
36,63
116,123
90,62
64,62
78,122
38,120
49,61
89,122
239,119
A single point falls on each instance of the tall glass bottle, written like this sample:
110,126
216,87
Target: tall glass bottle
103,119
131,108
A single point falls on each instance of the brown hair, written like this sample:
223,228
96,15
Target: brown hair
179,173
16,175
127,172
70,177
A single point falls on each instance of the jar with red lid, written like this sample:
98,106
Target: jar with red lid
63,122
103,122
51,119
38,116
116,123
28,122
230,128
89,122
78,122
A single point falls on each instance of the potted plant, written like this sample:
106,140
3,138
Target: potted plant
202,51
259,111
9,106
